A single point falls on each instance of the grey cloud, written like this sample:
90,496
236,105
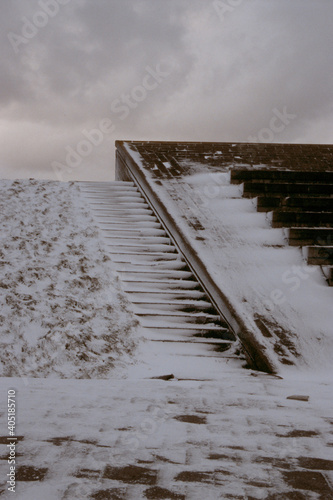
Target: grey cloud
88,44
228,74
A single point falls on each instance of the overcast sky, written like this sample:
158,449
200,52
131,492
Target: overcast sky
76,75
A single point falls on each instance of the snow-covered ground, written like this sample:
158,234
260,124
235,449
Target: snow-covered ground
214,430
231,436
63,311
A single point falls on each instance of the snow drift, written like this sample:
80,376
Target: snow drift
63,311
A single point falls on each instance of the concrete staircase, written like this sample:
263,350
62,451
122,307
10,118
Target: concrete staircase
170,303
301,202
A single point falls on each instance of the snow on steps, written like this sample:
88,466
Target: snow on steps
172,306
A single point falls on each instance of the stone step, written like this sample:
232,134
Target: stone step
114,196
159,267
219,343
167,295
238,176
219,346
138,248
103,185
254,189
173,305
134,225
298,203
91,191
158,274
198,330
268,203
189,332
126,205
144,278
124,218
166,285
310,236
195,352
144,232
121,198
153,260
143,240
319,255
284,218
124,211
100,186
308,204
179,317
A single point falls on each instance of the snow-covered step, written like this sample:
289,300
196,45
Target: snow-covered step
117,193
144,232
103,185
218,343
120,254
178,317
167,295
134,224
202,330
124,198
135,285
139,249
117,210
158,244
153,261
117,189
110,188
121,201
171,304
127,218
155,274
146,240
193,353
128,191
188,332
125,205
133,239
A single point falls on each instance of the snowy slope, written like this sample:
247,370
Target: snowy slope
61,302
